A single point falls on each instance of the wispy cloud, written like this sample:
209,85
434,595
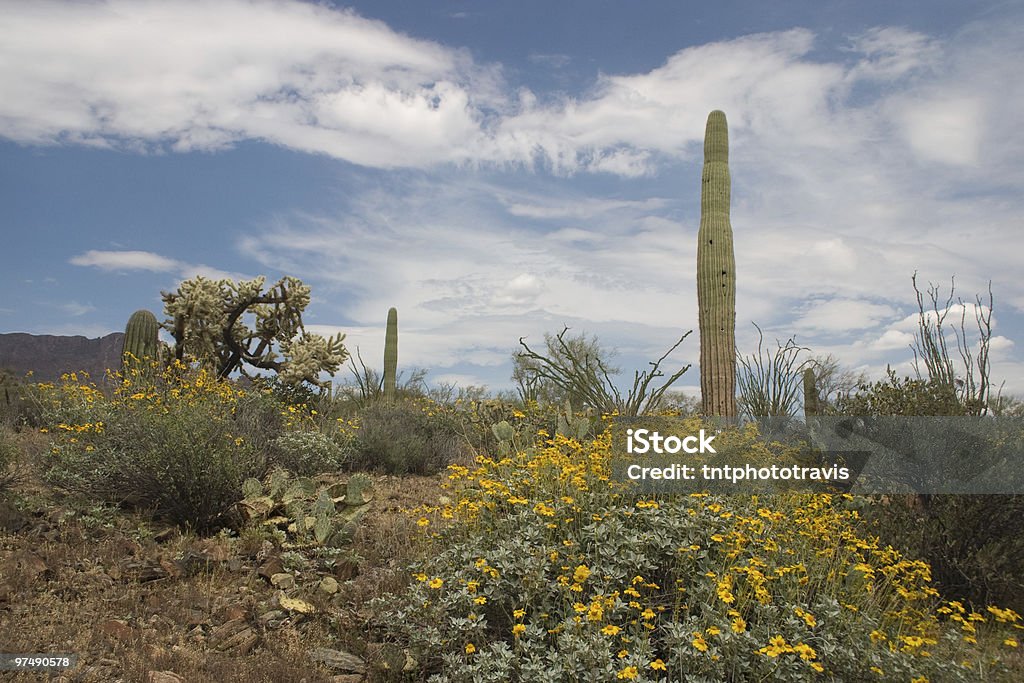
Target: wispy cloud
124,261
76,309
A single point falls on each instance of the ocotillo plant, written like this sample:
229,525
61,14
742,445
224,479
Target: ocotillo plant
141,337
716,275
390,355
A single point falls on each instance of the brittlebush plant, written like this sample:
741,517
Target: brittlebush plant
543,569
174,440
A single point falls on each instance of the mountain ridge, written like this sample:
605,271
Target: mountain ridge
48,356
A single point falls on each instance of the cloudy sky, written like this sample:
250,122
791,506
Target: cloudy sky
498,170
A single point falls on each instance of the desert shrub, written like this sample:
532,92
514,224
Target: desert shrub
17,407
406,437
477,417
900,396
9,460
308,453
549,571
180,442
973,543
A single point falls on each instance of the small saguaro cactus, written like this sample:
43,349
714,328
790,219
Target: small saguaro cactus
811,406
716,275
391,355
141,337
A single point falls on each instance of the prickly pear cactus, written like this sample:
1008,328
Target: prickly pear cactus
141,338
716,275
505,433
306,514
571,425
391,355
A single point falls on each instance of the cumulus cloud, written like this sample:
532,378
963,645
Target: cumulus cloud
195,75
182,74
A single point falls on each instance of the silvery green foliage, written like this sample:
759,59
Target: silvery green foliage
229,325
309,453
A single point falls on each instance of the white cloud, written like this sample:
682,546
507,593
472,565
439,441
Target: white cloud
849,174
842,315
893,339
945,128
73,308
126,260
521,290
123,261
197,75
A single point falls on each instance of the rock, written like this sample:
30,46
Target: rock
271,566
235,637
329,585
273,618
283,580
232,612
338,660
117,629
347,678
24,564
163,677
193,563
11,521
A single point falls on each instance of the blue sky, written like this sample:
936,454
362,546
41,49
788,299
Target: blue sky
498,170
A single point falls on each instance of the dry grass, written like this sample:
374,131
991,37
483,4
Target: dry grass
119,590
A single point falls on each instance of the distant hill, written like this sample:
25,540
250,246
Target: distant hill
49,356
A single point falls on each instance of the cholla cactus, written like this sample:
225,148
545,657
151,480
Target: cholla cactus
716,275
206,321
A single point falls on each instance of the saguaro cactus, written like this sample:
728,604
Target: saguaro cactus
716,275
141,337
811,406
390,355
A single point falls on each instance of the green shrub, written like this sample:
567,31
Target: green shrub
180,443
550,572
896,396
973,543
308,453
406,437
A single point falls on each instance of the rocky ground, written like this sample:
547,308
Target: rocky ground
141,601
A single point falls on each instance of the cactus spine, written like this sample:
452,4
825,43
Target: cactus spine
716,275
390,355
141,337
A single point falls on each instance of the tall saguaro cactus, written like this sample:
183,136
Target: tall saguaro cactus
390,355
141,336
716,275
